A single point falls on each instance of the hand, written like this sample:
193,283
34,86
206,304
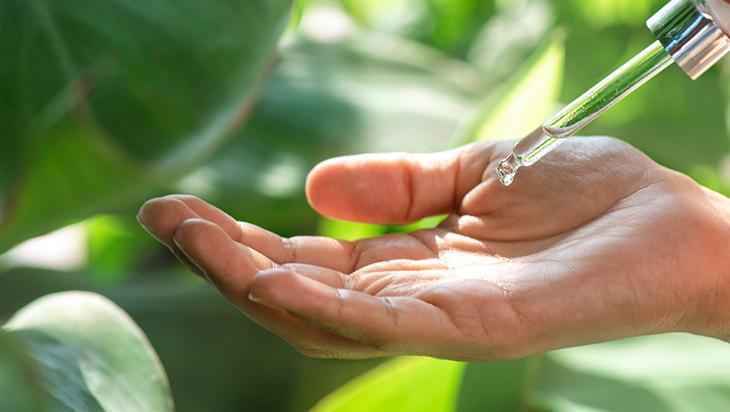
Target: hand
594,243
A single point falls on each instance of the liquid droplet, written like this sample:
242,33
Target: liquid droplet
507,169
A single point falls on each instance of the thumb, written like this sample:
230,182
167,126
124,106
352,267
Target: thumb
397,188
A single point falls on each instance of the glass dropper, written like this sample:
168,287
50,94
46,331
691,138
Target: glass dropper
693,33
584,110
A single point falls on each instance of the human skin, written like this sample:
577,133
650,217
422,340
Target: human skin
596,242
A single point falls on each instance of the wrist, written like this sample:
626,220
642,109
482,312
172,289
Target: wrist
717,300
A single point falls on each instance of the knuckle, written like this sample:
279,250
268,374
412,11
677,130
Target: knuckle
191,230
278,275
269,282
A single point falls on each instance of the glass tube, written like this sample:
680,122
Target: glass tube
584,110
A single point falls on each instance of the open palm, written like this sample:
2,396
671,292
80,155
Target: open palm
596,242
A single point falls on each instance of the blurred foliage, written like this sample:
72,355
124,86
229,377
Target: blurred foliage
676,372
449,25
117,247
106,103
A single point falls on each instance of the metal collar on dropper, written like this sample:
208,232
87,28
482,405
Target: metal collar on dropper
694,32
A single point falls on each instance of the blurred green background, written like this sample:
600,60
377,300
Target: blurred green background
105,104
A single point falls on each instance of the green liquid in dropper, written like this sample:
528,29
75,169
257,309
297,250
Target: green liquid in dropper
584,110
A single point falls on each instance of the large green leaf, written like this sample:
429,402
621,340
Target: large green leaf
104,100
90,355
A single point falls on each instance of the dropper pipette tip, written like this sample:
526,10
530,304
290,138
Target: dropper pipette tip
507,169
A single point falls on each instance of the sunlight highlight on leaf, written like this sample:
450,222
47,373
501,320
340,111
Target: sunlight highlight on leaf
526,101
339,229
403,385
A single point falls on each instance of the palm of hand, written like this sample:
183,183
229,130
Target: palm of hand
576,251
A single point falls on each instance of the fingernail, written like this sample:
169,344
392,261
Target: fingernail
259,301
253,298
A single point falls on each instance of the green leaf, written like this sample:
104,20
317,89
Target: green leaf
667,373
19,383
91,355
526,101
403,385
104,101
